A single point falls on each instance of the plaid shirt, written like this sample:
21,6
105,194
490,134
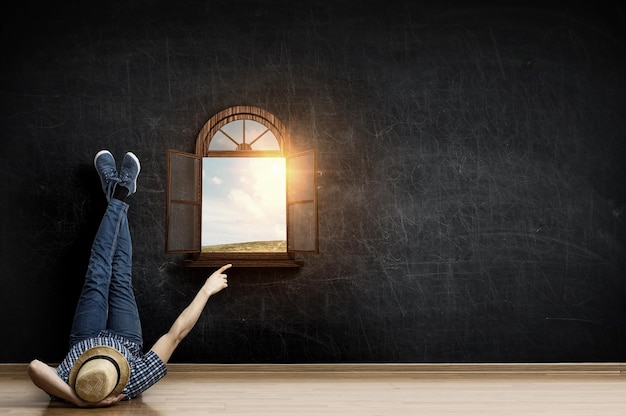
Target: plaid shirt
145,369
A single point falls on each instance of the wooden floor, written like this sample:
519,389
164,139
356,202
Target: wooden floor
363,390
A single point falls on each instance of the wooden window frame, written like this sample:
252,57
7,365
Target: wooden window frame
302,231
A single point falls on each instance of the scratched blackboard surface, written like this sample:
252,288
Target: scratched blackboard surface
471,197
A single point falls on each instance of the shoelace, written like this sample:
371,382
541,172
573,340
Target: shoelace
126,179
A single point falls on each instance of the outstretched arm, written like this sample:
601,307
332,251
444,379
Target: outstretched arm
166,345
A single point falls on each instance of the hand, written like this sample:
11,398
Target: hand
217,281
109,401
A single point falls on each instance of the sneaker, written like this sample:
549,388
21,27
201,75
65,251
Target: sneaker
129,171
105,165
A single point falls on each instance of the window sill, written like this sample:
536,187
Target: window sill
244,260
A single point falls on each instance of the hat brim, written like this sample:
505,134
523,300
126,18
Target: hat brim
110,352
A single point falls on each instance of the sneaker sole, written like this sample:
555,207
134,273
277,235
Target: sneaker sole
136,159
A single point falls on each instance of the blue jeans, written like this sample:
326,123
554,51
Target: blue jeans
107,301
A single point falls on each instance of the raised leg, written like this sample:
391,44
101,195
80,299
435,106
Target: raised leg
93,305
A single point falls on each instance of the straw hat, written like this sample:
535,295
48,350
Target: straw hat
99,372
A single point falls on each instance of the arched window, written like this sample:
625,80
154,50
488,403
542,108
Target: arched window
242,198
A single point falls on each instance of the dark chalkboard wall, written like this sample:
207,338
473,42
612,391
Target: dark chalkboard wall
471,206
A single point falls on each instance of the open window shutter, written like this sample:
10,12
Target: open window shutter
302,232
184,202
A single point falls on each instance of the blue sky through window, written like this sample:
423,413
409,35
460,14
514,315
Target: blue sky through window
243,200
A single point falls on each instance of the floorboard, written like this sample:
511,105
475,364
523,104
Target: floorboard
352,390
